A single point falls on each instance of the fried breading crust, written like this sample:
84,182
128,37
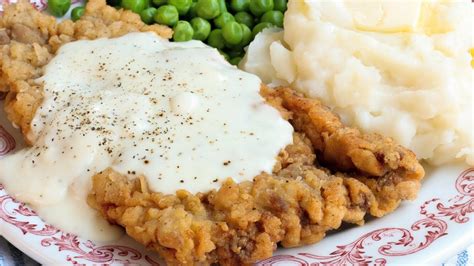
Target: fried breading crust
242,223
29,39
345,148
296,205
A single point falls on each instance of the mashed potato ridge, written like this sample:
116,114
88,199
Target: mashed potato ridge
401,70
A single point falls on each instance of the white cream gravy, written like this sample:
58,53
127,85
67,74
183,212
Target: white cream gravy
176,113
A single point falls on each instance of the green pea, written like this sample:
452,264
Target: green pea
201,28
167,15
244,18
59,8
258,7
246,35
183,31
235,61
77,13
183,6
208,9
134,5
232,33
261,26
240,5
114,2
280,5
147,15
223,19
222,6
273,16
216,39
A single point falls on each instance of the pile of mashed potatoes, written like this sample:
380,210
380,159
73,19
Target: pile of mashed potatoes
399,68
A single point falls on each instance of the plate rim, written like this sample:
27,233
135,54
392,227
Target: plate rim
20,241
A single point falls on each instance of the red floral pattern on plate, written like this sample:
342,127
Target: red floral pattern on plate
20,216
88,251
27,221
7,142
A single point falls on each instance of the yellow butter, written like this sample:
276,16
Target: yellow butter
385,15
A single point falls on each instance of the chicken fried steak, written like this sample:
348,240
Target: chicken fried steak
294,206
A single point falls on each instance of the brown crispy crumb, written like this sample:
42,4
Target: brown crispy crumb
243,223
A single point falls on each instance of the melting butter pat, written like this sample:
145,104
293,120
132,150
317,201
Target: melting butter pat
385,15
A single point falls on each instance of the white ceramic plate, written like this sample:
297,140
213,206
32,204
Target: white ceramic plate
426,231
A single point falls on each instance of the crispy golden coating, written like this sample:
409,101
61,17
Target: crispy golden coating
29,39
343,147
239,223
296,205
242,223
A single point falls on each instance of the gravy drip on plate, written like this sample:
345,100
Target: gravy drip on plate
176,113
